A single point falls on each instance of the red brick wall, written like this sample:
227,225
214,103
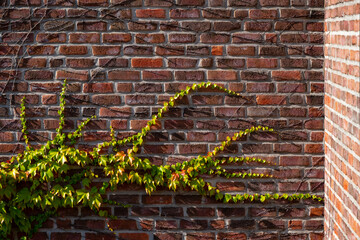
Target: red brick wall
342,119
123,59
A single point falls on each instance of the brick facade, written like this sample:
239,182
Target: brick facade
123,59
342,119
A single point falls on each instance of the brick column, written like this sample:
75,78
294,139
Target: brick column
342,123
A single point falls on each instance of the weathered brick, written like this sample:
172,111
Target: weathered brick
184,13
150,13
42,50
145,38
106,50
116,37
73,50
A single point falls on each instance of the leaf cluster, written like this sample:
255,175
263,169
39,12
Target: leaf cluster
58,175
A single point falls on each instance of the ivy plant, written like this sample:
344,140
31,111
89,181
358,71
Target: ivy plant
39,179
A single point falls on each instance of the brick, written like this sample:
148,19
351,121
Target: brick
289,26
241,51
76,13
91,26
292,87
167,236
294,13
260,87
116,37
293,112
146,62
73,75
254,75
193,224
142,38
184,13
231,235
196,26
139,99
94,236
169,25
271,100
51,37
200,212
214,13
214,38
201,136
138,50
93,3
106,50
65,236
124,3
272,224
257,26
59,26
73,50
38,75
242,224
166,225
41,50
80,62
157,75
262,63
84,38
181,62
198,50
112,62
134,236
150,13
214,75
116,13
272,51
122,224
182,38
197,235
142,26
230,112
169,50
9,50
191,2
6,137
188,199
32,62
262,111
226,26
106,99
286,75
287,148
124,75
192,149
241,14
235,3
98,87
115,112
262,14
230,186
157,199
197,112
17,13
294,38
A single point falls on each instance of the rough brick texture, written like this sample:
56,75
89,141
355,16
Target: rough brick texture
124,58
342,119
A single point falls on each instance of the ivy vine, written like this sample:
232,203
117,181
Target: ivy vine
39,178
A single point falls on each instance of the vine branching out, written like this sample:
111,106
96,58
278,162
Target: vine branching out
39,178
